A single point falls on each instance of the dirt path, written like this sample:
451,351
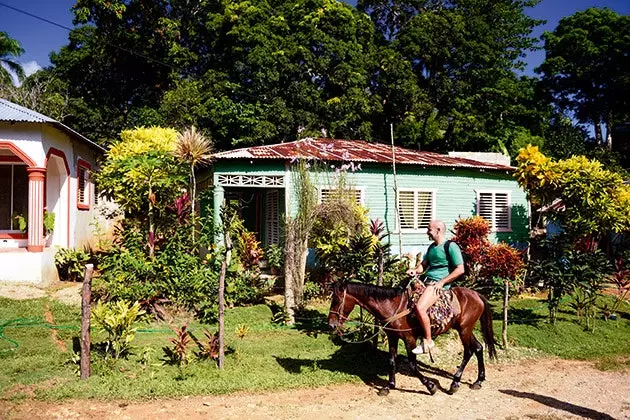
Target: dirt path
545,389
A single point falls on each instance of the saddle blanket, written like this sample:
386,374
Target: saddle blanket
442,311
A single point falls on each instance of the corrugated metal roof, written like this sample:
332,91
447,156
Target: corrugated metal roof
16,113
352,151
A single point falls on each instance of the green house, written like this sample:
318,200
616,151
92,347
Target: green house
430,186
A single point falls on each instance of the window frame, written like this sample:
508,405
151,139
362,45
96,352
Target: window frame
493,227
87,193
416,229
13,233
361,191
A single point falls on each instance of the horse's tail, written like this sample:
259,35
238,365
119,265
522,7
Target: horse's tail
486,328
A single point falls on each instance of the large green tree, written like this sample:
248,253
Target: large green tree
10,49
278,71
587,68
464,55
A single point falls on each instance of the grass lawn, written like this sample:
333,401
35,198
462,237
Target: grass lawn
268,357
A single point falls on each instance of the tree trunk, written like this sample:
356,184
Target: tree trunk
609,127
598,132
289,270
298,278
86,294
381,264
192,201
226,261
151,222
506,299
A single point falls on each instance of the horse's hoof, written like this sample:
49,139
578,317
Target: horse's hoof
392,385
476,385
383,392
432,388
454,388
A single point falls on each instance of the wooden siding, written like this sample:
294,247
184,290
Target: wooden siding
456,193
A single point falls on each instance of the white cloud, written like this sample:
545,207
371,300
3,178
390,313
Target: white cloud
31,67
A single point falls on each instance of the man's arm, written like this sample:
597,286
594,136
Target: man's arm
419,269
459,270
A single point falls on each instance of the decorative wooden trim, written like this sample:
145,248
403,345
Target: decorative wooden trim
250,180
18,152
10,159
56,152
19,235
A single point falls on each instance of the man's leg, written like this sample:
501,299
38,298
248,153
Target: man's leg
426,300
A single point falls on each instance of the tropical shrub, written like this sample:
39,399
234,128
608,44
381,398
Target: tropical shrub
275,256
116,319
71,263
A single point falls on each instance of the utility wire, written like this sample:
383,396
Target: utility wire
71,29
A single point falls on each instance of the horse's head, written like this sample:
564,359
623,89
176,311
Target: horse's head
340,306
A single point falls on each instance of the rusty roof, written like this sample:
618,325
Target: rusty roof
352,151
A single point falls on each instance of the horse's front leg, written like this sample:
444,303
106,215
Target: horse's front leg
393,351
410,343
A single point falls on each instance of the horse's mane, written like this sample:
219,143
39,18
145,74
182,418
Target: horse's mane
377,292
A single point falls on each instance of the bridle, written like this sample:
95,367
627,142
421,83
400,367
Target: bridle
339,311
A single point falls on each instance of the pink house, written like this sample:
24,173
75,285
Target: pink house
44,166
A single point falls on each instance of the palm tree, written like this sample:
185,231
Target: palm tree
9,49
194,148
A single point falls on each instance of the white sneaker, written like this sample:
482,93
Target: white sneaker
423,347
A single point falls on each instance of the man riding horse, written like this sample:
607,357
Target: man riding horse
437,275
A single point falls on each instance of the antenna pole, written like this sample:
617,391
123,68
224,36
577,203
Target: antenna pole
391,129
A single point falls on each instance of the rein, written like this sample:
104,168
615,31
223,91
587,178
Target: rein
397,315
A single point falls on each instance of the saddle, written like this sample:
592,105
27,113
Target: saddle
441,312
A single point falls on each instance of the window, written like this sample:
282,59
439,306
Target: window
495,207
13,196
416,208
83,187
327,194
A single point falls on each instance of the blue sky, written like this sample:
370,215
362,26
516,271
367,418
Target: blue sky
39,38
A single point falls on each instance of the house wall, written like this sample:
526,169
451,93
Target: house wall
456,194
45,144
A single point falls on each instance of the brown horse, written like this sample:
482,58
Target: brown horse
384,303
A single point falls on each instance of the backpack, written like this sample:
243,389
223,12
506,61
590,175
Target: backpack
449,259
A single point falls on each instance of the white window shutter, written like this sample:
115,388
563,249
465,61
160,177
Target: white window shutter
272,228
425,208
502,211
406,203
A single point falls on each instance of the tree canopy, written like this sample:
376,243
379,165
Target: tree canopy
10,49
586,69
446,73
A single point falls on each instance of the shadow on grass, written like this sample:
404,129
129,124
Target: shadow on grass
366,363
577,410
311,321
523,316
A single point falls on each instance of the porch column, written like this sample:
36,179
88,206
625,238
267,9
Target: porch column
36,177
217,202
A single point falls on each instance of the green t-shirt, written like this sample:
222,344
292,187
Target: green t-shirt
437,267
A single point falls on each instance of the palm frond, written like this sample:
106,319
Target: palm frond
193,147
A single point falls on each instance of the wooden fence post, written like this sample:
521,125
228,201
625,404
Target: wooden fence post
86,296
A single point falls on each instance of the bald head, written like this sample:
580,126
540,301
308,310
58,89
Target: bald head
437,231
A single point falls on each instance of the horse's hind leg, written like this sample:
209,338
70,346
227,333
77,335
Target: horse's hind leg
413,364
481,367
470,347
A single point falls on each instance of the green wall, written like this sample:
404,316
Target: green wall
455,193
